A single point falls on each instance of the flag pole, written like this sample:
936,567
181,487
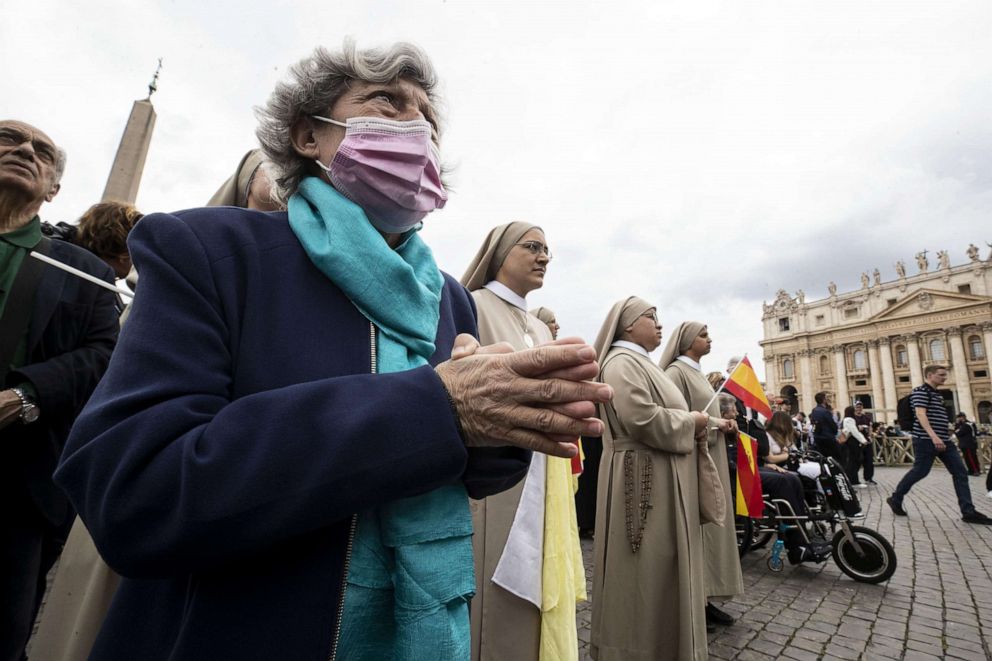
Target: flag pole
81,274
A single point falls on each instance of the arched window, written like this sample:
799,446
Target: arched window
824,365
984,412
788,371
859,360
902,358
936,349
975,348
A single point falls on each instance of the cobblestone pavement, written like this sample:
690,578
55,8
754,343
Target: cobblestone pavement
937,605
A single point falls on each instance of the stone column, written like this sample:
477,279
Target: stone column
806,402
987,332
770,375
888,377
876,379
129,163
915,366
840,372
962,382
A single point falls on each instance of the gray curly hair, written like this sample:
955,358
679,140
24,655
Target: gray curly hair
315,83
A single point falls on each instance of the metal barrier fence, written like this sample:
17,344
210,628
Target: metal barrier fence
898,450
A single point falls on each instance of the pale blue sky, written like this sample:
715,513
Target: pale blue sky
698,154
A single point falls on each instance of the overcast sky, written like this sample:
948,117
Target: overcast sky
700,154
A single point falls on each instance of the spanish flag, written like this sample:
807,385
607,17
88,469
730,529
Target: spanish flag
749,501
744,385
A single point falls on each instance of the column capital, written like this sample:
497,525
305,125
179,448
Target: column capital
872,344
909,337
953,331
837,348
805,353
884,341
986,326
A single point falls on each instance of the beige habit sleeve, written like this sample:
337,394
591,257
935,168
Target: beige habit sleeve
643,419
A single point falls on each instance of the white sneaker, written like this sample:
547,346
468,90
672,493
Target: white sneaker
990,494
860,485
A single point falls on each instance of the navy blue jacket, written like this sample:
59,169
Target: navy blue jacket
71,333
824,425
237,431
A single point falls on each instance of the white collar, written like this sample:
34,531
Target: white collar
633,346
690,362
507,294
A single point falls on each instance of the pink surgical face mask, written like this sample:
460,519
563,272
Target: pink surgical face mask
390,169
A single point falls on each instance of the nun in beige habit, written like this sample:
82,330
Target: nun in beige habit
688,343
249,187
84,585
648,591
547,315
528,562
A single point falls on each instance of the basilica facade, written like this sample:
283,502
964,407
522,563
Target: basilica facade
871,345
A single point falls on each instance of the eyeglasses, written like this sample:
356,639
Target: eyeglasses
653,316
536,248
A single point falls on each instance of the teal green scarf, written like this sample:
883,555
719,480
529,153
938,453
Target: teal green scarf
411,572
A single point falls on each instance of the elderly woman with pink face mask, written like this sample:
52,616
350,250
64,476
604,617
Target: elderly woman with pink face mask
280,458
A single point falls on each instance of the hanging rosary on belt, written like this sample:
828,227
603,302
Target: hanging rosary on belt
635,536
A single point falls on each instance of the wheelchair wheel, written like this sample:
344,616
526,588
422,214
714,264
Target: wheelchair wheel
775,563
875,564
745,531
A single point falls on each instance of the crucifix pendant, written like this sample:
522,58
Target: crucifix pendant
528,341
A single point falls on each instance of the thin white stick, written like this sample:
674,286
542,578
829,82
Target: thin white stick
81,274
720,389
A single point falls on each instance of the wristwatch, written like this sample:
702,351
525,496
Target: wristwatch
29,410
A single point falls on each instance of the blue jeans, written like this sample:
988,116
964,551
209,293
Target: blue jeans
924,454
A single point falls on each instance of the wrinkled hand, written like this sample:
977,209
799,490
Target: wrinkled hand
535,399
466,345
10,407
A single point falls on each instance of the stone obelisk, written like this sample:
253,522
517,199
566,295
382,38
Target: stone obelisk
129,163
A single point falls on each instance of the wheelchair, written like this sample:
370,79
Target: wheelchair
832,507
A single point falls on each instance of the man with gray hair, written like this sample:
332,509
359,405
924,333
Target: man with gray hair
56,335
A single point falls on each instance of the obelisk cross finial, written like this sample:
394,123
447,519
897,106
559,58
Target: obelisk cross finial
153,86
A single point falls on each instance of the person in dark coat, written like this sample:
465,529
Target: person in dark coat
825,429
967,434
56,335
280,457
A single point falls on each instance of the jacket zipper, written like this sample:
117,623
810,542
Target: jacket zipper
351,529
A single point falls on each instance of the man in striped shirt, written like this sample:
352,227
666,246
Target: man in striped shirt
931,437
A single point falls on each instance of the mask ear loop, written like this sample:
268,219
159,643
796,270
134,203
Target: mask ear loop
327,168
330,121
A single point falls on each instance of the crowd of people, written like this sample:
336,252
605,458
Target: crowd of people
308,441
